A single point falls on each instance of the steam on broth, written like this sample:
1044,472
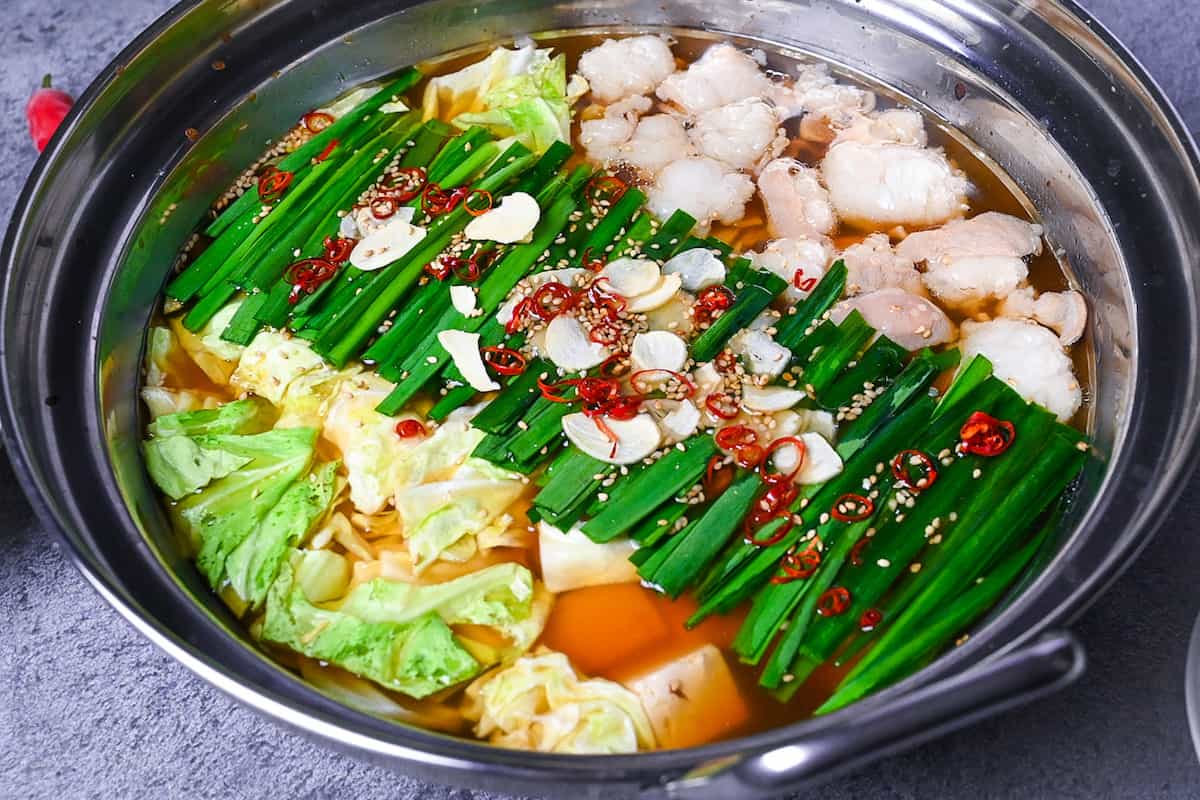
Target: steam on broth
615,393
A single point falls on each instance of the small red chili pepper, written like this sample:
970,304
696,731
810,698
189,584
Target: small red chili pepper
409,428
802,283
550,300
338,250
45,111
521,312
307,275
384,207
748,456
733,436
902,470
716,478
725,362
478,210
553,391
711,300
852,508
984,435
606,187
405,184
327,152
782,477
317,121
833,602
798,565
593,264
856,552
751,530
870,619
721,406
779,496
272,183
504,360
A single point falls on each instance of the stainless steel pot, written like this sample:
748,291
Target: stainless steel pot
1038,86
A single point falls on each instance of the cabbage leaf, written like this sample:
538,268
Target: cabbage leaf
522,93
540,703
254,563
417,658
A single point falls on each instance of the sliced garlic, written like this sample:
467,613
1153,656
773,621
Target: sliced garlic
674,315
821,461
659,296
804,420
769,398
707,378
635,438
568,345
681,422
385,245
697,268
463,299
511,221
764,356
630,277
658,350
463,348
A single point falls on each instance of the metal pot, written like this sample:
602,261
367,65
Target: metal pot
1041,88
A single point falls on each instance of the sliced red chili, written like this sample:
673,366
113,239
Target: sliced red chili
554,391
504,360
482,202
606,187
592,263
715,297
783,477
798,565
748,456
327,152
802,283
338,250
852,508
721,405
307,275
716,477
272,183
902,470
384,207
779,496
870,619
856,552
752,530
833,602
410,428
984,435
317,121
521,312
405,184
734,436
550,299
605,334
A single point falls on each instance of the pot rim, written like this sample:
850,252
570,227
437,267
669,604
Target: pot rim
452,752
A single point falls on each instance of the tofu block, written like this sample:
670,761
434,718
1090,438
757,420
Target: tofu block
692,699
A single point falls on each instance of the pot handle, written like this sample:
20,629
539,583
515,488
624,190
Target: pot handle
1038,669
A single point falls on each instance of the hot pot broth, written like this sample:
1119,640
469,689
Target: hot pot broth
635,675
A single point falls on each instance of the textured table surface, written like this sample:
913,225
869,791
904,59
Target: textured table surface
89,709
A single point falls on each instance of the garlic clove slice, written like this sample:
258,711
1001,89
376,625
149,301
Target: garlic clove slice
697,268
662,294
658,350
511,221
634,438
463,348
630,277
769,398
568,346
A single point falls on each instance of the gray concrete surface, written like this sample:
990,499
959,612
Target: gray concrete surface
89,709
